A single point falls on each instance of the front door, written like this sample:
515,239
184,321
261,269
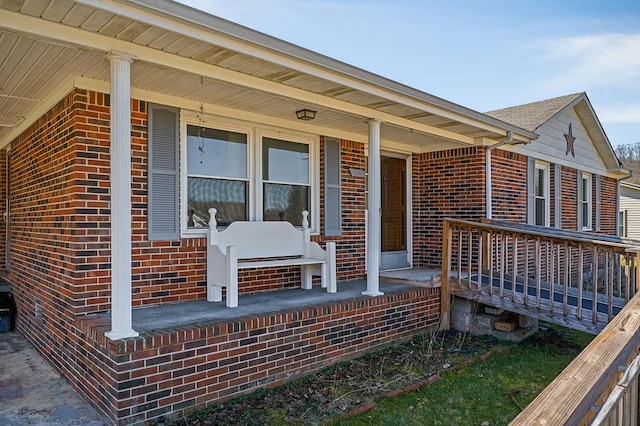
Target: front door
394,252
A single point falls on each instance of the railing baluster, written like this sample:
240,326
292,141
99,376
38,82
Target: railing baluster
627,277
580,277
492,255
526,270
469,252
538,280
503,260
594,283
609,264
480,253
567,279
459,269
551,265
618,273
514,256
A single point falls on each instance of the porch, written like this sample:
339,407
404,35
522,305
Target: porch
175,315
193,354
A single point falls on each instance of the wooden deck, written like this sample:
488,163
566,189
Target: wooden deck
574,279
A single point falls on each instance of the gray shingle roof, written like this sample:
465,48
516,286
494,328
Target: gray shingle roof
533,115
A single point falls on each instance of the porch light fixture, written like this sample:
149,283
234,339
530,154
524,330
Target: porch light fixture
305,114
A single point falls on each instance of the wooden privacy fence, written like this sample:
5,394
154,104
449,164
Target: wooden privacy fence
576,279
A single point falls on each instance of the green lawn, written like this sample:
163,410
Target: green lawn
479,394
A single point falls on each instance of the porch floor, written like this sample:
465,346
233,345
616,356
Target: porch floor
196,311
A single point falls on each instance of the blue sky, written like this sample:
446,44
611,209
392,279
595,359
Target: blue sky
485,55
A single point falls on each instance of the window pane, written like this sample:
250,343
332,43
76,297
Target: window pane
540,212
228,196
586,218
284,161
539,183
285,202
218,153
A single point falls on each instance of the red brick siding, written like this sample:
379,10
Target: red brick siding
509,186
3,207
351,245
62,218
569,184
608,202
445,184
188,368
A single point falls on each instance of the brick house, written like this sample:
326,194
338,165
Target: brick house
121,122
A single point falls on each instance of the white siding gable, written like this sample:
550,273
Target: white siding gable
630,201
551,146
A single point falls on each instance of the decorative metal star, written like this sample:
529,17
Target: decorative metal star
570,140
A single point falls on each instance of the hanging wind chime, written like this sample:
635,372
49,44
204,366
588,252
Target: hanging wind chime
200,117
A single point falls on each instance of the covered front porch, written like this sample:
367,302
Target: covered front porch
193,354
173,315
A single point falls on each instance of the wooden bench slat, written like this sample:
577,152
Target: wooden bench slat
280,262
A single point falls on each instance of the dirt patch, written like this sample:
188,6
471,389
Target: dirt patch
350,387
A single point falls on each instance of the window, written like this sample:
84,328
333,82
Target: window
585,202
622,223
541,194
285,179
247,173
216,175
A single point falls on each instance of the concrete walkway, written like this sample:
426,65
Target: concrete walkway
32,393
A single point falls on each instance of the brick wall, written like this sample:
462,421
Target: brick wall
509,186
569,188
188,368
608,202
3,207
351,245
445,184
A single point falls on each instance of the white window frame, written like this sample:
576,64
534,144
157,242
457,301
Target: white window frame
622,223
539,165
255,133
587,198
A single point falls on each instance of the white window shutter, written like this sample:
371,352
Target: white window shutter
531,199
579,203
597,203
163,190
332,188
557,195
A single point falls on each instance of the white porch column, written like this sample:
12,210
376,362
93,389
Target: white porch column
374,207
120,197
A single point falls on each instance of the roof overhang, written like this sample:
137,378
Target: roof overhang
184,57
590,121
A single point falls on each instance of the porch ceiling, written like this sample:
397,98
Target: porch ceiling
44,44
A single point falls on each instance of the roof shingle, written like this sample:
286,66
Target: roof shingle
533,115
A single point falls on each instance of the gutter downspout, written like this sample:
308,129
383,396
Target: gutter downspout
488,183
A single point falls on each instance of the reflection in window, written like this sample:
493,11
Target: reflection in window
217,175
286,181
541,192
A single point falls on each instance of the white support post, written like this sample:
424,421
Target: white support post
374,212
121,326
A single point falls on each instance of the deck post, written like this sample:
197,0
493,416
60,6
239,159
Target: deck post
445,289
374,211
120,141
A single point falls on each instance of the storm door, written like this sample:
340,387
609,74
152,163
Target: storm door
394,252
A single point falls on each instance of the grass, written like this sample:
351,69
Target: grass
487,392
482,382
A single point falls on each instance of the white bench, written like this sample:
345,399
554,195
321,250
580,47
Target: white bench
233,248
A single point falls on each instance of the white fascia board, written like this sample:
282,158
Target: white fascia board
234,114
202,26
23,24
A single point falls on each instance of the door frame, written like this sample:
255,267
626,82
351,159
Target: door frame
408,199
